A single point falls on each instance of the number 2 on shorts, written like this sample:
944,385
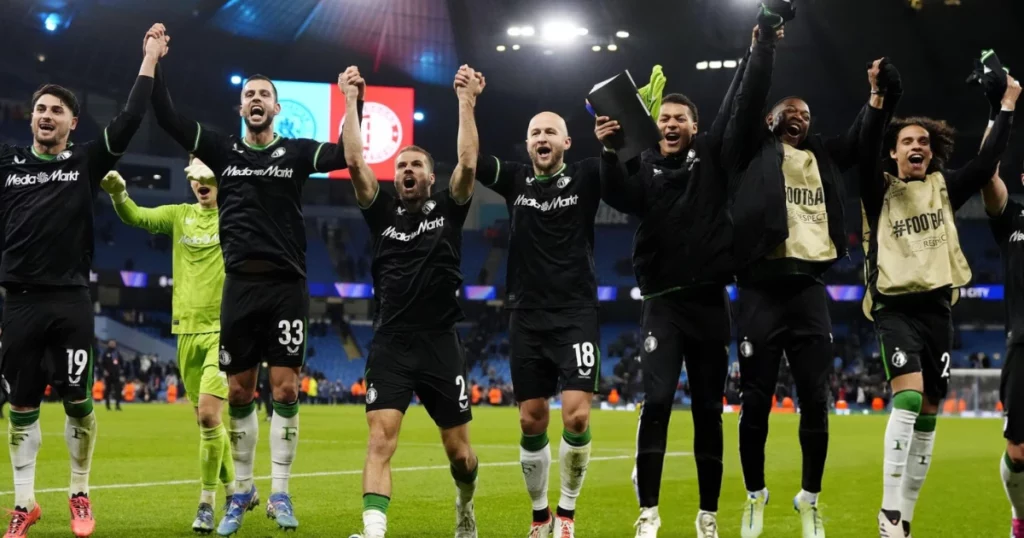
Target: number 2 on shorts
945,365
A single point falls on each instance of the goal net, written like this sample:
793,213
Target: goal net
973,393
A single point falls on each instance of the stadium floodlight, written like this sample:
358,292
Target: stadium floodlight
622,34
582,31
548,52
501,48
715,64
52,22
613,47
729,64
41,57
515,47
527,31
558,32
702,66
418,116
236,80
596,48
515,31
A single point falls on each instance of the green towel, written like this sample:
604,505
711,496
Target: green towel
651,93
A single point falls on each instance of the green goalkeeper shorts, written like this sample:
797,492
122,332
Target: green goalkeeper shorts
198,360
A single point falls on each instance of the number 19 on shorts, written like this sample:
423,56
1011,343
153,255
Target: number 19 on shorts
78,361
585,357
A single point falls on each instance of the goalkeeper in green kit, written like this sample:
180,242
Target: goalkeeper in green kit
198,281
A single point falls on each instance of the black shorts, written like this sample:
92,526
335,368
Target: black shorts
917,340
47,339
262,320
431,364
696,328
1011,393
549,347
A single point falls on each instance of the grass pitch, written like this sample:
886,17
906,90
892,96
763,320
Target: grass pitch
145,477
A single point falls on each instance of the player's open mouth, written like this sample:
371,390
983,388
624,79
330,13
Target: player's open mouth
543,151
672,137
203,191
47,127
256,112
408,182
794,129
916,159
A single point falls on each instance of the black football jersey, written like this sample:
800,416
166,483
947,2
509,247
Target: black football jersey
1008,230
46,206
259,196
551,236
416,262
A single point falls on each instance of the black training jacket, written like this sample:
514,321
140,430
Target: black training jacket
752,157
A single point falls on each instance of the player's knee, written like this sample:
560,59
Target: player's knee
656,411
533,420
1016,452
577,420
209,417
239,396
286,392
461,457
381,445
756,402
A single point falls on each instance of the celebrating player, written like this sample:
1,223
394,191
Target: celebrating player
47,209
417,245
552,292
266,300
198,282
914,266
682,256
789,230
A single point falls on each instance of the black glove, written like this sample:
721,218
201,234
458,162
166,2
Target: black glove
775,13
990,75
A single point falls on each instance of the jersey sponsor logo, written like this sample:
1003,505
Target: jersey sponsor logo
19,160
270,171
278,153
206,239
15,180
899,359
425,226
800,196
1016,236
563,181
918,224
548,205
382,132
294,121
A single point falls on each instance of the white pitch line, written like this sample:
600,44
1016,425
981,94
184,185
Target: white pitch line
331,473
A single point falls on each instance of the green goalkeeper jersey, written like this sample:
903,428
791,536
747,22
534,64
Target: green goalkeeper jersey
198,263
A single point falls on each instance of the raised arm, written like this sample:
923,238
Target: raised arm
159,220
328,157
364,181
868,128
621,188
468,85
745,121
994,194
963,183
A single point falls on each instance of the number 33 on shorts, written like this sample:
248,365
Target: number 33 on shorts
293,335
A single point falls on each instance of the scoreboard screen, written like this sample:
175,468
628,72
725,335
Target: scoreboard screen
317,110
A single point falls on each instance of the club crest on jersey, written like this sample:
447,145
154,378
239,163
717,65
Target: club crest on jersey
225,357
371,395
899,359
429,206
563,181
746,348
277,153
650,344
64,155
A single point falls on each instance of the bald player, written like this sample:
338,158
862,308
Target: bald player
552,296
